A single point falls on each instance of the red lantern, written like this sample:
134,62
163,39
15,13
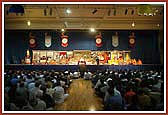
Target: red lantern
64,40
32,40
132,40
98,40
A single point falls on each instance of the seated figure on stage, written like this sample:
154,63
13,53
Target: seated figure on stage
134,62
81,61
139,62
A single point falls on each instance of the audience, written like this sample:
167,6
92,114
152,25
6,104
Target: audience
120,90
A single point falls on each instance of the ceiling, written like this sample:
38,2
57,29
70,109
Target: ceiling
84,16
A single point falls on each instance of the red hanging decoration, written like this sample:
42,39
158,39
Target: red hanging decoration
64,40
32,40
99,40
132,40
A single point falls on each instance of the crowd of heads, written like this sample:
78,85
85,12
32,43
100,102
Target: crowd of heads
130,90
34,90
119,90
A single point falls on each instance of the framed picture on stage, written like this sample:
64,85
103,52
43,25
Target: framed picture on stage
43,57
50,56
36,56
55,57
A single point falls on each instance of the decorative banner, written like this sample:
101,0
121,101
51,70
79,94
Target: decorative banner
64,40
132,40
99,40
115,41
47,40
32,40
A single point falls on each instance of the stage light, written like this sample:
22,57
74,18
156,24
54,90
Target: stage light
28,23
92,30
133,24
150,14
94,11
158,25
145,14
68,11
62,30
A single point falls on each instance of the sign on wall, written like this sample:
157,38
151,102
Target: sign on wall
32,40
132,40
99,40
64,40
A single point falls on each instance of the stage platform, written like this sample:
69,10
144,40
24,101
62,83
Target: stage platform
89,67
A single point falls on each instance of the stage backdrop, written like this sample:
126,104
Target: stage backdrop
16,42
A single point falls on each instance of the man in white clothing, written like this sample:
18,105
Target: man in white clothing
59,94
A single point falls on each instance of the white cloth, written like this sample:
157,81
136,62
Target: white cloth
87,75
59,95
76,75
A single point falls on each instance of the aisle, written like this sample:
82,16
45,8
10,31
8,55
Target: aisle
82,97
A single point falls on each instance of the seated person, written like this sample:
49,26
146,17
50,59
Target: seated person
113,102
139,62
87,75
81,62
59,93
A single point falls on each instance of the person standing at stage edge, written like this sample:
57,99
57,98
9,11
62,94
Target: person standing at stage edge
97,60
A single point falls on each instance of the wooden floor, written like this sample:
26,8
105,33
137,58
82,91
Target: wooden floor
82,98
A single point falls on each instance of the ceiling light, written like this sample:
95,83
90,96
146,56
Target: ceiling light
133,24
28,23
92,29
150,14
158,25
68,11
145,14
94,11
62,30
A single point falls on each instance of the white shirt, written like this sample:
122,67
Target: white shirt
58,94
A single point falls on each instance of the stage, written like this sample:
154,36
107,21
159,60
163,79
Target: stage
87,67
